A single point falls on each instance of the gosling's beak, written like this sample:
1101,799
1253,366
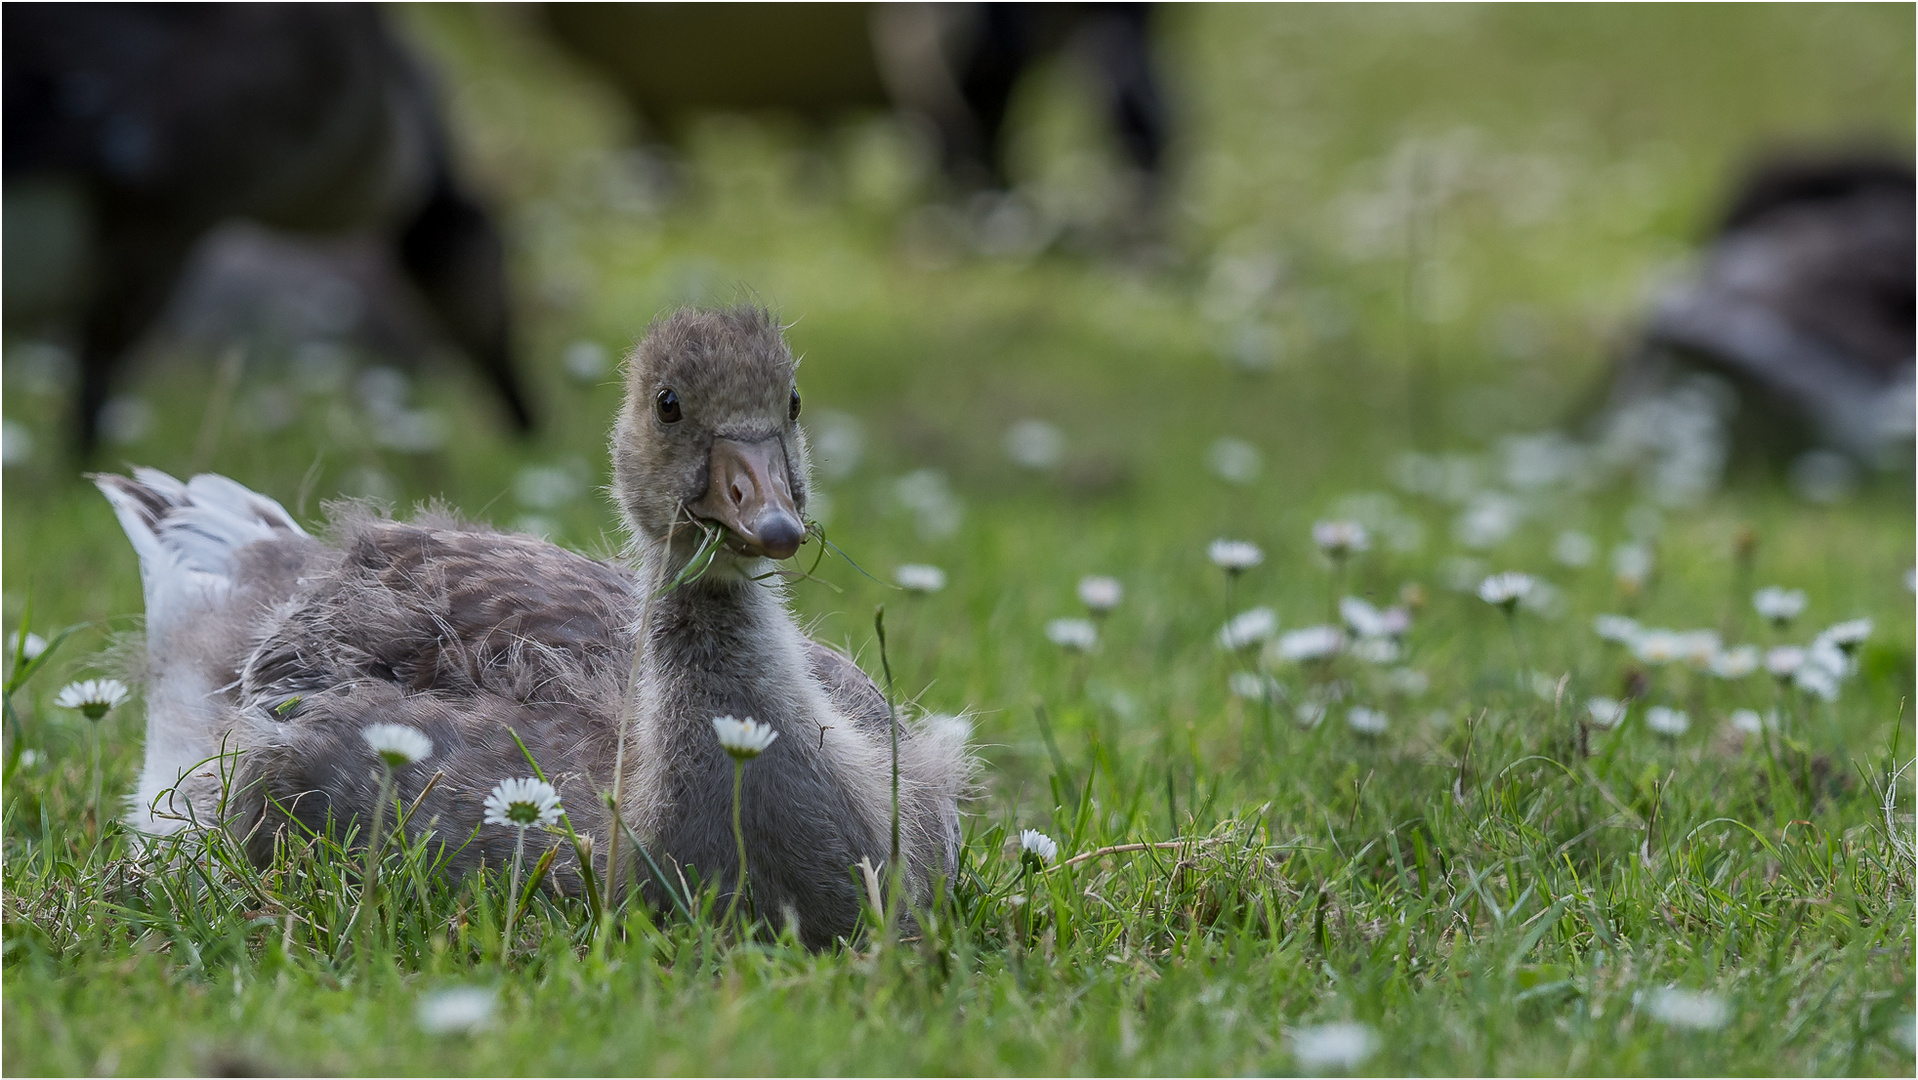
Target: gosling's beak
749,494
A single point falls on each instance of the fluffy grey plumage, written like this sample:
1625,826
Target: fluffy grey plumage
283,647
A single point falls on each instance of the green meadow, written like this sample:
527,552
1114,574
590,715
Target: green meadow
1399,250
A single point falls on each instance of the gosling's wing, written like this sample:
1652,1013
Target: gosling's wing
852,691
454,611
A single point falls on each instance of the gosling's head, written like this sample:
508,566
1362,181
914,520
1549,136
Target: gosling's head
710,433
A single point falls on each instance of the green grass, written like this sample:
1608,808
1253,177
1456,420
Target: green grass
1482,891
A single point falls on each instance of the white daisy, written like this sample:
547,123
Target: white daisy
1668,722
1749,722
1100,594
1698,647
1037,847
1632,566
1311,643
1248,628
1408,681
1605,712
35,645
1504,591
1369,722
1574,548
1736,662
93,697
1659,646
1817,680
1376,650
1343,1046
1617,629
1778,606
1249,685
1784,661
1692,1009
920,578
465,1008
1074,635
1234,556
398,745
522,803
744,739
1847,635
1339,539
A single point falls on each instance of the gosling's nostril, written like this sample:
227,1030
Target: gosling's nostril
739,496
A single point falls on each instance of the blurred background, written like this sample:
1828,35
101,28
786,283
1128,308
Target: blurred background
1077,287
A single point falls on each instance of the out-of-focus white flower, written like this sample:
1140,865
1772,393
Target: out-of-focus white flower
1249,685
1035,445
1846,635
1248,628
1100,594
1698,647
1408,681
585,361
837,441
465,1008
1310,712
1234,556
1783,661
1574,548
35,645
1343,1046
1749,722
94,698
1666,721
743,739
1632,566
1736,662
547,487
523,803
920,578
1778,606
1370,722
1037,847
1694,1010
1310,643
1817,680
1488,520
1504,591
1076,635
398,745
1605,712
1659,646
1367,621
1339,539
937,512
1617,629
1235,461
1377,650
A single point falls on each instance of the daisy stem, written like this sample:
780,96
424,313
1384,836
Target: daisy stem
99,825
512,897
1518,644
373,845
739,842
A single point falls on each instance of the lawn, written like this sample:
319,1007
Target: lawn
1402,247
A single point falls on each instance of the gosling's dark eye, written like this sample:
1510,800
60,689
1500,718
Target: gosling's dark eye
793,412
667,405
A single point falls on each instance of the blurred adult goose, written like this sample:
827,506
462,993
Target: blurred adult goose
277,649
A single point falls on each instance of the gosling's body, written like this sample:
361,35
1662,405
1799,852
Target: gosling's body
277,649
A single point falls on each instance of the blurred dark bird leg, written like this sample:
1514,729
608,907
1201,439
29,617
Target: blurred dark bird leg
1117,40
452,252
1000,53
136,264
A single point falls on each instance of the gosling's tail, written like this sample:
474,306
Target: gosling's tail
189,538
